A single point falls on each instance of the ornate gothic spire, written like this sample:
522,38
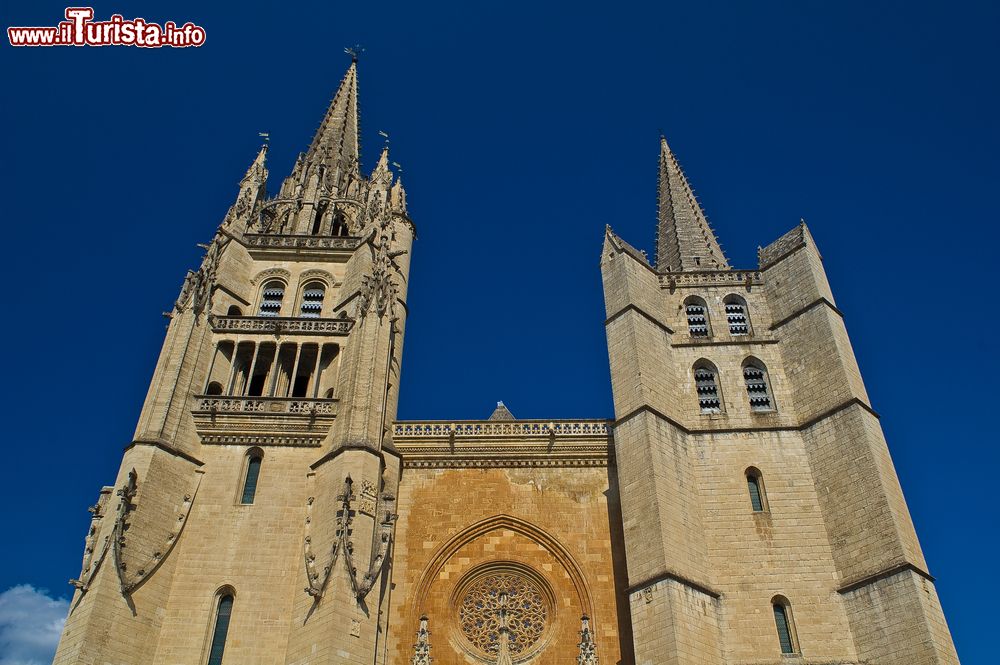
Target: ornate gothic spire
336,142
684,240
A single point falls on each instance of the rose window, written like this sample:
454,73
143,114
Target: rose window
527,612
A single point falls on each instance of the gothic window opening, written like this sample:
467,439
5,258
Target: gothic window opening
697,317
312,300
214,388
223,612
318,218
755,486
260,369
254,459
271,297
220,369
234,310
339,226
758,386
306,369
783,624
242,361
707,387
736,316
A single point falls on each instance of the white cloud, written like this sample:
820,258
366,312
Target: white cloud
30,624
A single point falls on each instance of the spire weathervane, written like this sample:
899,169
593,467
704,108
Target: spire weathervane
354,51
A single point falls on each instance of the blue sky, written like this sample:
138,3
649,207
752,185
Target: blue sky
522,130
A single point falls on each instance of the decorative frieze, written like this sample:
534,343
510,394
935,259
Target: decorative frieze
744,278
281,325
272,241
503,444
265,405
483,428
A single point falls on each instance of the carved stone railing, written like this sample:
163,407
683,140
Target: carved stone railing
488,428
281,324
503,444
265,405
672,280
268,241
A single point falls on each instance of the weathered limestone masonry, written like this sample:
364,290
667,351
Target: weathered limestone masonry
741,509
728,383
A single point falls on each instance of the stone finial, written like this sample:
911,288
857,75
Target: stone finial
588,649
422,648
502,413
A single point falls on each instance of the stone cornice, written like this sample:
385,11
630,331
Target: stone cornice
673,577
749,340
503,444
854,401
166,447
733,278
267,242
802,310
634,308
884,574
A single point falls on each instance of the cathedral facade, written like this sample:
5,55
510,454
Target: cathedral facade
741,508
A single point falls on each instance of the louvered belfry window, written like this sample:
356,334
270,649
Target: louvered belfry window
708,390
697,316
250,484
222,616
736,316
758,390
270,301
783,625
312,301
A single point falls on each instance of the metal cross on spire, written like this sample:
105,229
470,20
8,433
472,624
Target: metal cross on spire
354,51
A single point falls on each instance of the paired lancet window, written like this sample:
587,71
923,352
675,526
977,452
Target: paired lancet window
707,385
220,631
758,386
697,317
271,297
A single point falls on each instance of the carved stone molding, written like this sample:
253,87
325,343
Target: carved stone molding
316,273
265,405
268,241
270,273
276,325
316,579
733,278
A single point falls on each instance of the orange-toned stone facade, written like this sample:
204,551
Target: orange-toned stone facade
520,511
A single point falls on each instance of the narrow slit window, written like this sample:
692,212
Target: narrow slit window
250,482
697,317
312,301
736,316
758,389
223,613
707,387
756,489
783,623
271,297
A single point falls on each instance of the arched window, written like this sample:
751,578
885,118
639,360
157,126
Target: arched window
707,385
755,486
783,623
758,387
234,310
223,612
271,297
254,457
697,317
339,226
312,300
214,388
736,316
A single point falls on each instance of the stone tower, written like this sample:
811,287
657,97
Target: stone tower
257,499
741,508
762,514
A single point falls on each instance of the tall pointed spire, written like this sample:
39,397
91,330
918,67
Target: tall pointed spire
336,143
684,240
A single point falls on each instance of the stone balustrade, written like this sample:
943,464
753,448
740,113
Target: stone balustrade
281,324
